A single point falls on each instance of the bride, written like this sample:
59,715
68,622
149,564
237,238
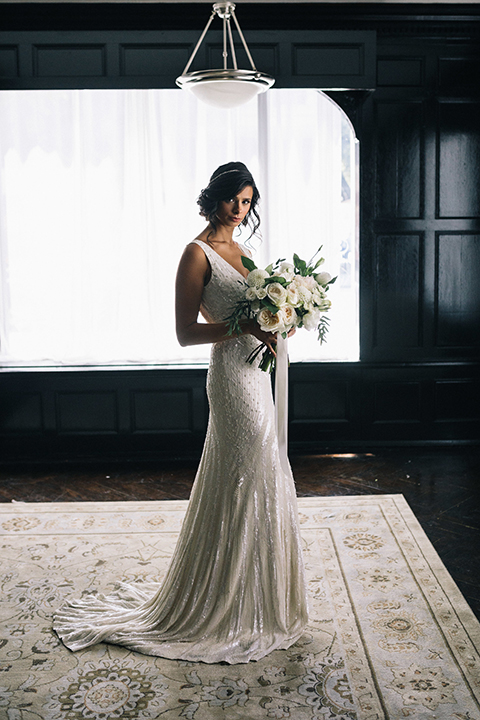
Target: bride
235,588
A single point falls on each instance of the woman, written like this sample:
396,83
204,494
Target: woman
235,588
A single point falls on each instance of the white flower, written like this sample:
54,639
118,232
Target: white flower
289,317
269,322
276,293
286,270
326,304
304,295
311,320
292,295
256,277
251,293
323,278
261,293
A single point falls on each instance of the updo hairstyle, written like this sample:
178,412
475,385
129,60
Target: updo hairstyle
226,182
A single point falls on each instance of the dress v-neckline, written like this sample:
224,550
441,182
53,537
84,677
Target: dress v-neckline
222,258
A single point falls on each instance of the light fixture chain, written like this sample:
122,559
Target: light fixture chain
243,39
234,57
210,20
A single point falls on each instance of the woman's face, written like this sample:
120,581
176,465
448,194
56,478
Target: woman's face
232,212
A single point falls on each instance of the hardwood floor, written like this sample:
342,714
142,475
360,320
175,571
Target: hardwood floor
442,486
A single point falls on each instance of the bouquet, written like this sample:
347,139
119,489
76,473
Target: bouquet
282,297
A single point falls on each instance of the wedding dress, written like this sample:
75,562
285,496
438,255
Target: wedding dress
235,588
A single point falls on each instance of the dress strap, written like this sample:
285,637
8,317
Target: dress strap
212,256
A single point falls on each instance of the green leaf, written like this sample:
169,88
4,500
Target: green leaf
248,263
300,264
330,282
269,305
276,279
269,269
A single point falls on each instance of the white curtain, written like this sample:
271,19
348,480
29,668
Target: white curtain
98,200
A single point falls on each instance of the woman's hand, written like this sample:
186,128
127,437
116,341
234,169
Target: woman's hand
270,339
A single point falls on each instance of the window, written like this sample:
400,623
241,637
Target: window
98,199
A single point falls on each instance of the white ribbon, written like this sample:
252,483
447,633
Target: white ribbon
281,400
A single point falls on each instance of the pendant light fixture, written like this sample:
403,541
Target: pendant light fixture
225,88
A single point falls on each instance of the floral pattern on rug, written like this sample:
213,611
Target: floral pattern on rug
390,635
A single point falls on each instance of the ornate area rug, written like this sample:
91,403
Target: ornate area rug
390,634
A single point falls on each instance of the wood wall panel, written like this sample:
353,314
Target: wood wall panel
21,412
457,290
458,159
8,61
458,76
320,401
399,159
457,400
398,291
153,59
87,412
62,60
322,59
161,410
397,402
400,71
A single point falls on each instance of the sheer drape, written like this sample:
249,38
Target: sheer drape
98,193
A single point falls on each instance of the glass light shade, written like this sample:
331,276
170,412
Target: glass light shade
225,88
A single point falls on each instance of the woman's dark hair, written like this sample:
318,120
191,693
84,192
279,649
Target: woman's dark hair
226,182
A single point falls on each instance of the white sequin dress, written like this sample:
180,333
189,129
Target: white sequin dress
235,588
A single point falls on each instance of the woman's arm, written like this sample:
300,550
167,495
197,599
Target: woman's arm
192,271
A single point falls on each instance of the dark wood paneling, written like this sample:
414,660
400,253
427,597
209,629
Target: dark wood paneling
397,402
155,59
458,290
87,412
21,412
320,59
400,71
458,76
63,60
8,61
320,401
457,400
161,410
458,159
398,295
399,159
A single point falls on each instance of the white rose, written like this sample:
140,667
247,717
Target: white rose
323,278
286,267
292,295
261,293
309,282
276,293
251,294
311,320
268,321
289,316
256,277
